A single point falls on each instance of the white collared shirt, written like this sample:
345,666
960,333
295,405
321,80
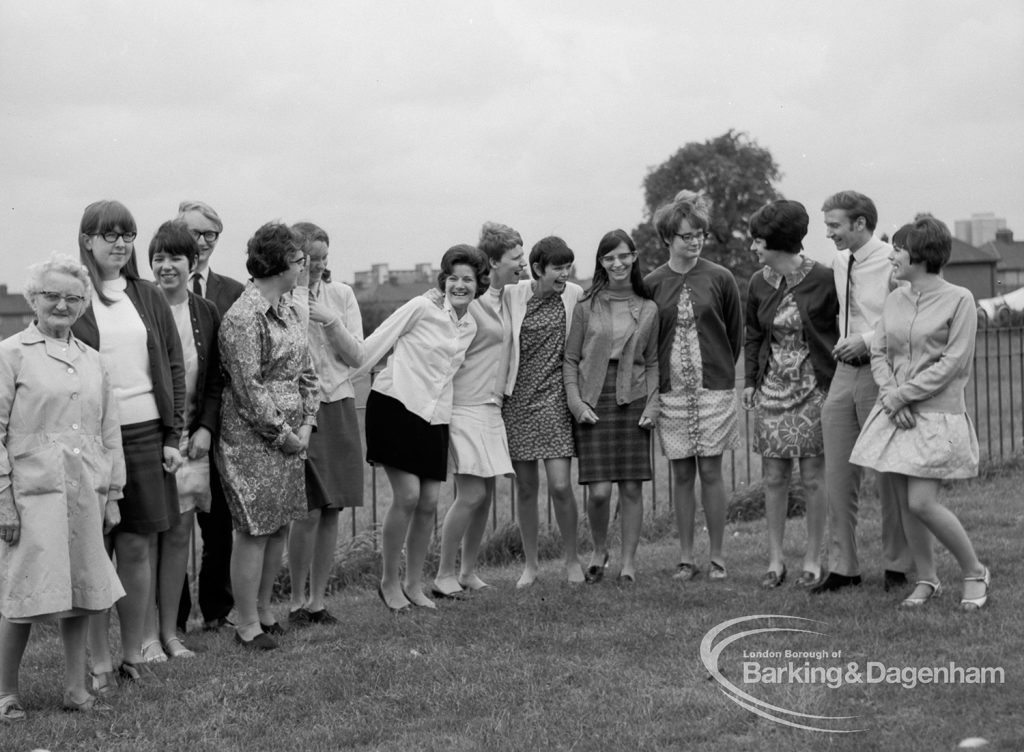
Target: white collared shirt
430,343
871,284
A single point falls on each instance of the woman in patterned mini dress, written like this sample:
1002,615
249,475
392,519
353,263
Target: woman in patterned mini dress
792,310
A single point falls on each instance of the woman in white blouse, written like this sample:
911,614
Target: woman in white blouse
408,411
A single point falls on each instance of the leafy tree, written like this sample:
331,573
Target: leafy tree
737,175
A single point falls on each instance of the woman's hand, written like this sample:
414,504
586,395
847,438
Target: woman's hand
172,459
646,423
588,417
10,520
111,516
292,444
199,443
891,404
320,313
903,418
748,398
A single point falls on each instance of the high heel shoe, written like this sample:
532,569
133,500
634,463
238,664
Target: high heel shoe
973,604
915,601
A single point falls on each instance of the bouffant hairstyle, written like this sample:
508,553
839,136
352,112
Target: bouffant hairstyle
472,257
855,205
58,263
927,240
549,251
268,249
173,238
100,217
693,207
782,225
205,209
497,239
611,242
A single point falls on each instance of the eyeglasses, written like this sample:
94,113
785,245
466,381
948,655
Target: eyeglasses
53,298
210,236
111,237
619,258
692,238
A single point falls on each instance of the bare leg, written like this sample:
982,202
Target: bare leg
73,632
136,565
247,553
631,510
300,556
473,538
527,488
470,496
272,555
566,514
684,476
712,497
405,494
417,540
171,573
776,473
812,474
99,631
323,557
599,504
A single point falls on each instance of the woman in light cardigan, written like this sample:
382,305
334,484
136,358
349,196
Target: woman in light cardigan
611,383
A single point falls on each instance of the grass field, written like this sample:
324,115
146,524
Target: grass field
599,667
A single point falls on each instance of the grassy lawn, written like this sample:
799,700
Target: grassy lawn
599,667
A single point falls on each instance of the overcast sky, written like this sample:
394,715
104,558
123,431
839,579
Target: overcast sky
401,127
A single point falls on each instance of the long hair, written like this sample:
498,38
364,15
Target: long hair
609,243
100,217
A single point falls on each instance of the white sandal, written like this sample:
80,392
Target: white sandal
175,648
152,652
974,604
912,601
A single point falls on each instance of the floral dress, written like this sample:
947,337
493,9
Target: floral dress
271,390
536,415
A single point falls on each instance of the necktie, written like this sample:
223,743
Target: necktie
197,284
849,302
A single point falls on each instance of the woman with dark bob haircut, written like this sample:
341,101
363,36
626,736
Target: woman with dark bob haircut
919,430
611,384
268,411
132,327
408,412
792,311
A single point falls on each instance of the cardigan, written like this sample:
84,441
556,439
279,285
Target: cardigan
715,299
816,299
166,365
588,354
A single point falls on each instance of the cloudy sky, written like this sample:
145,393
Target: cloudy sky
401,127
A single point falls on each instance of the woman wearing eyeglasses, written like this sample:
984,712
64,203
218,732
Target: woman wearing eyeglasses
700,337
268,411
611,384
131,325
61,473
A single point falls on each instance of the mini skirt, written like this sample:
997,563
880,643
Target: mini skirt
150,503
400,439
334,461
616,447
479,445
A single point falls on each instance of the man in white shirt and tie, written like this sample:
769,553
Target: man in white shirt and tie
863,272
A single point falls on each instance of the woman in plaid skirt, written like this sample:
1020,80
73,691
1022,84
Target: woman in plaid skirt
611,384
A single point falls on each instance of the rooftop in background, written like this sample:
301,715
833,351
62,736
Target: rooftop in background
979,229
15,313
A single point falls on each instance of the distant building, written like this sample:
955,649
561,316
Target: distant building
979,229
381,274
973,268
1010,269
381,290
15,313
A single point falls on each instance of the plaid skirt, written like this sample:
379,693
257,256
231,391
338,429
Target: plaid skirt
615,448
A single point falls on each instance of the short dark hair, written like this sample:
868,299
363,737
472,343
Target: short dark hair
782,225
693,207
268,249
927,240
855,205
100,217
472,257
607,244
550,251
174,239
496,239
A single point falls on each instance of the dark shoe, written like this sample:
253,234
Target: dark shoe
772,579
686,572
808,580
626,579
835,582
717,571
136,675
301,617
91,704
273,629
458,595
262,641
894,579
595,573
323,616
215,625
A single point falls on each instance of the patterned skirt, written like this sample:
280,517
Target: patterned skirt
615,448
701,423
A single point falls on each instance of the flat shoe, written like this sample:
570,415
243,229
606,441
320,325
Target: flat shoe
152,652
11,710
717,571
773,579
594,574
103,683
686,571
437,592
262,641
300,617
323,616
92,704
808,580
973,604
136,674
273,629
175,648
915,601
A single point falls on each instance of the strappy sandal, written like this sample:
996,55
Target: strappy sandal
103,683
11,710
974,604
152,652
91,704
175,648
915,601
685,571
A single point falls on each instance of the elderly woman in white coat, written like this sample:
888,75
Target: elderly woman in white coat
61,473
